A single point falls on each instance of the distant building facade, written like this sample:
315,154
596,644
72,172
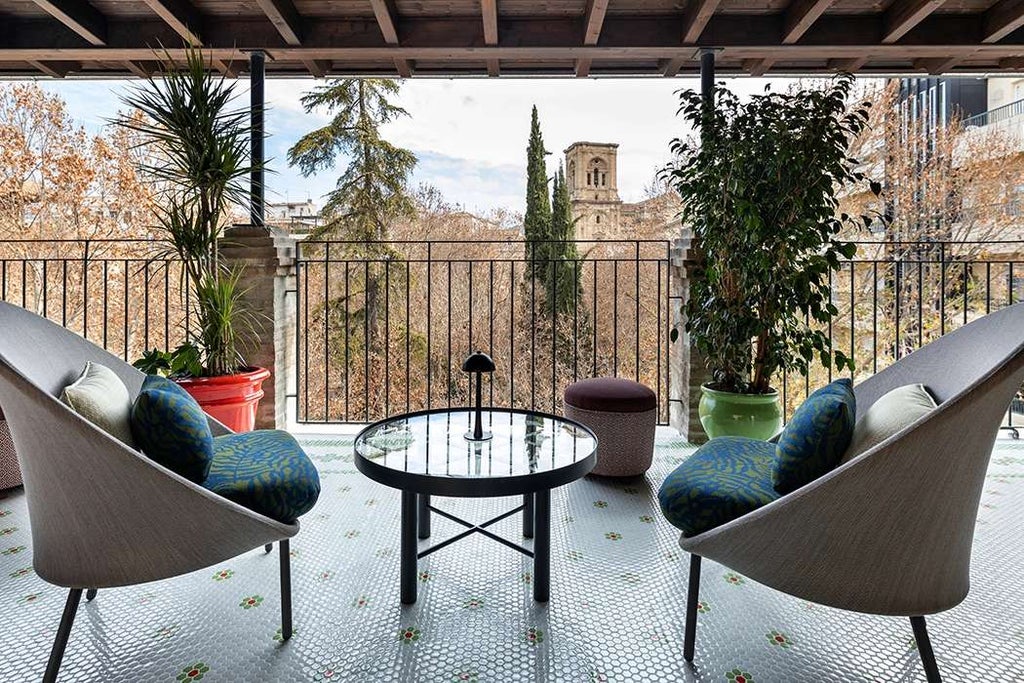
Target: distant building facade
591,171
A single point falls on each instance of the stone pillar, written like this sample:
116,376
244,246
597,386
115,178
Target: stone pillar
267,258
687,370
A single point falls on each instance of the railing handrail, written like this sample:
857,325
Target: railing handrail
1006,111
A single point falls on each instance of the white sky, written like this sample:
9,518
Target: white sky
470,134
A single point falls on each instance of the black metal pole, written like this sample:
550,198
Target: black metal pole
692,592
257,73
423,516
478,429
408,548
542,546
63,633
527,515
707,85
284,550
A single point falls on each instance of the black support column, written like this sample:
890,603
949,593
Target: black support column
257,74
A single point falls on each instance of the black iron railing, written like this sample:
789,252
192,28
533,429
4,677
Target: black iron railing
894,297
120,294
384,328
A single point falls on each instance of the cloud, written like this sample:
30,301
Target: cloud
470,134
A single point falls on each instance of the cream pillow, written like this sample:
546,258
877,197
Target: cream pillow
101,397
892,412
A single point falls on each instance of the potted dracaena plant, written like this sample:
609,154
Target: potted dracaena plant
760,190
199,142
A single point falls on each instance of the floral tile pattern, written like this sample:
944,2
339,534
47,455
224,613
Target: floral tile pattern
193,672
616,611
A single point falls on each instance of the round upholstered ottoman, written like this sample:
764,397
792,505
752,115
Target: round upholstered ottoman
623,414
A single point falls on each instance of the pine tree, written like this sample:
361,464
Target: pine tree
372,191
537,220
563,286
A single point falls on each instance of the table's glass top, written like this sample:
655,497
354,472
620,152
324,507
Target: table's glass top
434,444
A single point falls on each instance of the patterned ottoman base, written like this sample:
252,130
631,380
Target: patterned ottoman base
623,415
10,473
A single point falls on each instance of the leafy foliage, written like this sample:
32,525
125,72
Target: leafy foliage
373,189
564,286
201,144
537,220
760,192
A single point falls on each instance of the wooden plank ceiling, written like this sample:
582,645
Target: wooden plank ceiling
86,38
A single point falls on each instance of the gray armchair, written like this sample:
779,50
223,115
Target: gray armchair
889,532
102,514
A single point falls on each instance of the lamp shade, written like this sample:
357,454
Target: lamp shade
478,361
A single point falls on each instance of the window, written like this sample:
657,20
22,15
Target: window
588,178
598,219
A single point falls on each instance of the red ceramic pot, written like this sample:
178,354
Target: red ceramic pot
230,399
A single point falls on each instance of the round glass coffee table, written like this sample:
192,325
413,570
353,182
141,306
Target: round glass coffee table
428,454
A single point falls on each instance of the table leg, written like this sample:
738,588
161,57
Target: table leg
528,515
408,551
423,516
542,546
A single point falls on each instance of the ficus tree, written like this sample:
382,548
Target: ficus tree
760,191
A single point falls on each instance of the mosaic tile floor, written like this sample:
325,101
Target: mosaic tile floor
618,590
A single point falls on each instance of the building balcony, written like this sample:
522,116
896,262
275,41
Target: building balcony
619,577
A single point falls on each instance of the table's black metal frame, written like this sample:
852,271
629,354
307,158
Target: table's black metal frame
416,514
535,489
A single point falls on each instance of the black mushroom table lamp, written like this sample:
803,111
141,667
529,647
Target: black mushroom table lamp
478,363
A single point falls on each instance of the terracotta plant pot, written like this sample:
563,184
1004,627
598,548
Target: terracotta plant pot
230,399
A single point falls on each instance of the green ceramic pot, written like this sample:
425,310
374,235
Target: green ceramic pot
723,413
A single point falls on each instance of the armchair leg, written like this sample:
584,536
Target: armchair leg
924,648
63,633
90,594
286,589
692,591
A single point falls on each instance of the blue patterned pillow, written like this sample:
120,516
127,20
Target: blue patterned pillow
266,471
170,427
816,437
725,479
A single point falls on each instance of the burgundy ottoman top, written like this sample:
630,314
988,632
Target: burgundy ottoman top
611,394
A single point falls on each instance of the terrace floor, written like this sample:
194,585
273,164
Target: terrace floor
616,613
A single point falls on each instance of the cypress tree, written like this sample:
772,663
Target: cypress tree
537,220
564,284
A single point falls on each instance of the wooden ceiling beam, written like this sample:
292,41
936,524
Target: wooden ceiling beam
1002,19
671,67
698,14
318,68
757,67
936,66
799,17
139,69
851,65
79,16
489,15
593,20
181,16
55,69
384,11
285,18
1012,63
903,15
